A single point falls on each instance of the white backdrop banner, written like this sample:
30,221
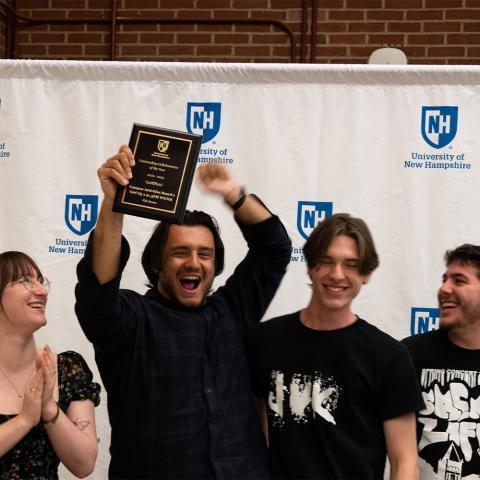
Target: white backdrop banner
395,145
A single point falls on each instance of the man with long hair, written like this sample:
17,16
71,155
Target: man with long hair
337,394
173,360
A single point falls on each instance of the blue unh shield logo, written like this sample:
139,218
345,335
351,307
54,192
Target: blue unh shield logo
81,213
424,320
309,214
439,125
204,119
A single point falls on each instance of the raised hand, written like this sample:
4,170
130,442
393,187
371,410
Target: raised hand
217,179
117,170
47,362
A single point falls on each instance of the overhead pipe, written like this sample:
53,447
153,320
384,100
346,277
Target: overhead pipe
303,41
28,21
313,38
113,31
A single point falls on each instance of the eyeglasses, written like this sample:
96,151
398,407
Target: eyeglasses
30,283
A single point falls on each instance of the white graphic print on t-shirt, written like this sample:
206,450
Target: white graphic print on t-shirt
449,448
303,397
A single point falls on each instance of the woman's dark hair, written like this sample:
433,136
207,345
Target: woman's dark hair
13,266
152,254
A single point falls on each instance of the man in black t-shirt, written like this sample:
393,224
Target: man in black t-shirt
336,393
448,367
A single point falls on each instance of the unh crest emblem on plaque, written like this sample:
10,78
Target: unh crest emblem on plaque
163,145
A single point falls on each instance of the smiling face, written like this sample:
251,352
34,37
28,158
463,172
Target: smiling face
22,308
336,279
188,265
459,296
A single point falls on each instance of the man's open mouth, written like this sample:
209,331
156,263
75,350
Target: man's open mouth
190,282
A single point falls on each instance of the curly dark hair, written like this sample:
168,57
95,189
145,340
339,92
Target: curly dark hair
465,253
152,254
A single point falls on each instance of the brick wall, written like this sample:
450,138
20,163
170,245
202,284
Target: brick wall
2,38
3,20
341,31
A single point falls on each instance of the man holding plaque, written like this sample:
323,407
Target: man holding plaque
173,361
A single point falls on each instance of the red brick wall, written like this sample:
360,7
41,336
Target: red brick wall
2,38
3,21
346,31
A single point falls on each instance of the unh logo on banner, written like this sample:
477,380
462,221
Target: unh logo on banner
204,119
424,320
81,213
439,125
309,214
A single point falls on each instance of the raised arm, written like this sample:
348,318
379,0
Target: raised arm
117,170
217,179
256,278
99,305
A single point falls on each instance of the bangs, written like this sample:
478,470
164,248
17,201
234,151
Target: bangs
15,265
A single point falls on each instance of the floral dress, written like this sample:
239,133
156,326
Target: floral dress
33,457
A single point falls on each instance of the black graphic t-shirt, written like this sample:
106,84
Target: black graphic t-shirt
328,394
448,428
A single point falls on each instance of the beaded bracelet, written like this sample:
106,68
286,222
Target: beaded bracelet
49,423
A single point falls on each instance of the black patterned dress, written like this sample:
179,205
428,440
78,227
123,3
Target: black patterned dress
33,457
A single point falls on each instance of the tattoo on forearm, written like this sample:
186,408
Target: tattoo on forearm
81,424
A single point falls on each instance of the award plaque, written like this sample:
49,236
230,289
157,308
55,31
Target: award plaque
165,162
